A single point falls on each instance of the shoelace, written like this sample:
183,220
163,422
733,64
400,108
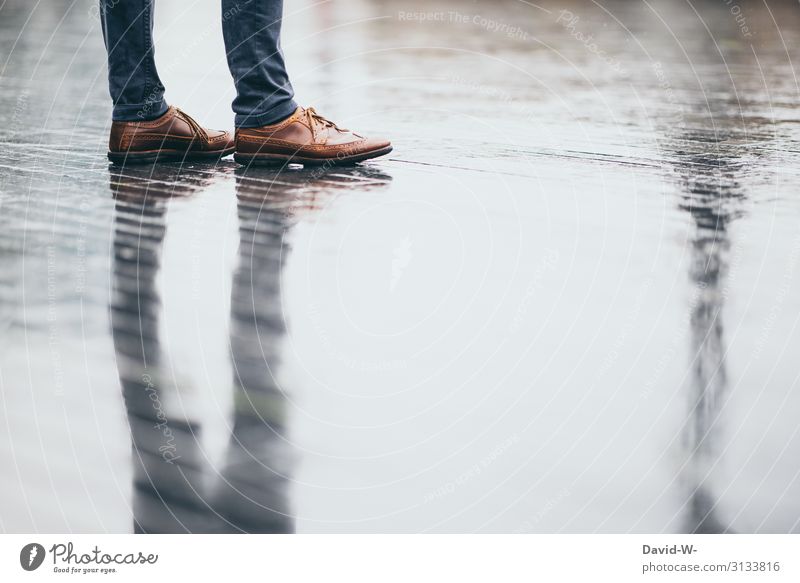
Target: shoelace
313,116
195,126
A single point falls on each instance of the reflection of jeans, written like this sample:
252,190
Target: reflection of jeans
175,486
252,40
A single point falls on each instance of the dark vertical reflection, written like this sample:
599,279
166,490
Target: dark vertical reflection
253,490
167,472
715,119
710,147
713,155
175,488
711,195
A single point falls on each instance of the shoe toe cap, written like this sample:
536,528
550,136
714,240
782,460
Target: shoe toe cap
373,144
221,140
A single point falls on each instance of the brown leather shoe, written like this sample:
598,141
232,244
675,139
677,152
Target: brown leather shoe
305,137
173,136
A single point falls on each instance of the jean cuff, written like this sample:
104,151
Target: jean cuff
139,111
278,113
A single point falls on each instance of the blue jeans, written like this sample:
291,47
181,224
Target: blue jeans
251,29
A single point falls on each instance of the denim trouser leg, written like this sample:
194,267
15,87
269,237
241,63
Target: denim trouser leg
252,31
133,81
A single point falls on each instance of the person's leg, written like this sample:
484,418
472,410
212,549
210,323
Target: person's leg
252,31
270,128
144,128
136,90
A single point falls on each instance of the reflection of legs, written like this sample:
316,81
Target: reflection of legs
252,40
253,492
708,375
133,81
166,468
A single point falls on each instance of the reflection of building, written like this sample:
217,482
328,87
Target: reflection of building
710,197
175,487
709,162
706,142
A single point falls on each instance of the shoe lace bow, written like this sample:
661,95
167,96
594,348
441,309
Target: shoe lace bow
314,118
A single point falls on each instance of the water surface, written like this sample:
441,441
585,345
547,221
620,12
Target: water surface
567,302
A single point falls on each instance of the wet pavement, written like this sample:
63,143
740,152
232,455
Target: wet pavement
566,302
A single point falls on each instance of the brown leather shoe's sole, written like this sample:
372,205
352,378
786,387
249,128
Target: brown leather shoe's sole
150,156
283,159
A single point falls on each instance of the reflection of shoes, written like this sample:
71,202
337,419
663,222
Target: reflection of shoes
305,137
148,184
293,193
172,137
259,182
